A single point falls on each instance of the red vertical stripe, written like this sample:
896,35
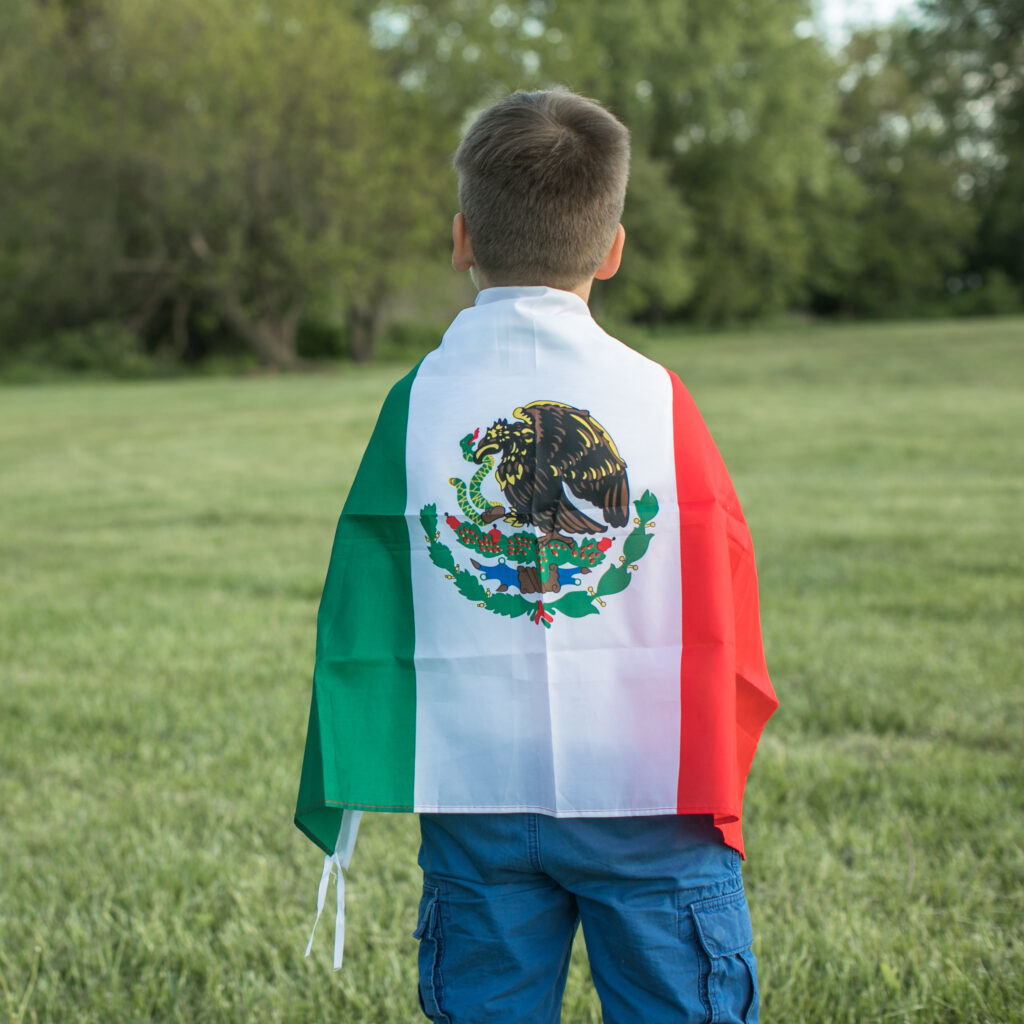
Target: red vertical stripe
725,693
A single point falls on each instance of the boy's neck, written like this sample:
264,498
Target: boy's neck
462,259
582,290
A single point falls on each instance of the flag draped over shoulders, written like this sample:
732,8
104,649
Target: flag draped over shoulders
542,593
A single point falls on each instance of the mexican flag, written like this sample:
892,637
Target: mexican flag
542,593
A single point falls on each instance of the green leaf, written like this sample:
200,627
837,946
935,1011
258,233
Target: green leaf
442,557
614,580
428,519
512,605
646,507
575,605
636,544
469,586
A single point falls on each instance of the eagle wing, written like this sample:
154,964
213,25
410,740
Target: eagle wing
577,451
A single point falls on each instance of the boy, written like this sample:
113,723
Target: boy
540,629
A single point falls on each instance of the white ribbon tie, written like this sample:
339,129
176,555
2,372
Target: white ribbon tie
341,857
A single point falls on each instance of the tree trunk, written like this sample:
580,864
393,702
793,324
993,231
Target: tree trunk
179,325
271,337
278,341
362,322
165,280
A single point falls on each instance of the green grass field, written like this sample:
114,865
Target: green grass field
162,549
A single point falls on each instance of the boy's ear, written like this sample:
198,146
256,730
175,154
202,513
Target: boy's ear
614,257
462,248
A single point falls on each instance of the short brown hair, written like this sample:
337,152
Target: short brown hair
542,182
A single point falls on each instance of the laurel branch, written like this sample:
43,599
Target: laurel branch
575,604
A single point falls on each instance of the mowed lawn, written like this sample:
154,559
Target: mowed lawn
162,550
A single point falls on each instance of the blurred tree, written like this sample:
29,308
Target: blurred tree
916,228
727,104
271,160
57,245
248,159
733,101
970,63
207,168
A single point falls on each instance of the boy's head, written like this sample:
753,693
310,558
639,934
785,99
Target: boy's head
542,182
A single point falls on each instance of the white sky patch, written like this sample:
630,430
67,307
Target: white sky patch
836,19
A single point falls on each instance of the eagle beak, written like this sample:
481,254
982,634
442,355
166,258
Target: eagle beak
483,449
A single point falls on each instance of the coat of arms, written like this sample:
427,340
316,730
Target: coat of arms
551,458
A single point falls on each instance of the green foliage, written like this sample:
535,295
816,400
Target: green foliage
767,174
646,508
265,156
613,579
321,339
916,226
408,341
635,546
576,604
971,63
440,554
99,349
465,580
207,174
509,605
56,250
726,111
428,520
994,295
242,159
657,275
162,551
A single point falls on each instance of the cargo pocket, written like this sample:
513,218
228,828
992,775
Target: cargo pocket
729,970
428,931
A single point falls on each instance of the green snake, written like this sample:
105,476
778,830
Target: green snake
474,493
520,547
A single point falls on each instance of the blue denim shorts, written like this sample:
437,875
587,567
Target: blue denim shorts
660,900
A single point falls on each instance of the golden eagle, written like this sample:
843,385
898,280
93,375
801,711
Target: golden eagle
556,447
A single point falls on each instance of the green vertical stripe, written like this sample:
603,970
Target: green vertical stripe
360,746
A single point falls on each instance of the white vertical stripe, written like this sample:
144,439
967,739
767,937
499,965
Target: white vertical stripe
582,718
